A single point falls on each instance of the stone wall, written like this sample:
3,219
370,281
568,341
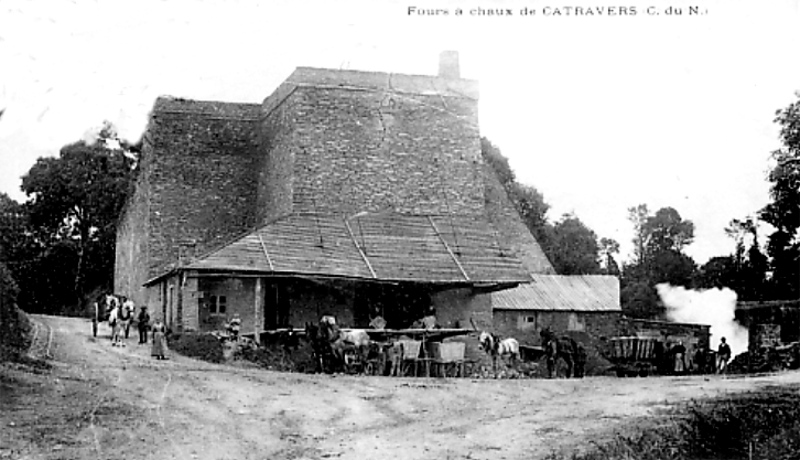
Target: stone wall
525,325
277,150
202,176
239,296
511,230
131,252
355,150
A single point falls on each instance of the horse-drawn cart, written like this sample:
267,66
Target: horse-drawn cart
397,352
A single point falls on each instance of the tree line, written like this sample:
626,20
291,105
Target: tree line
59,245
755,271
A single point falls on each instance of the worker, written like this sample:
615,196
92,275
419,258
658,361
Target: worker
679,352
723,355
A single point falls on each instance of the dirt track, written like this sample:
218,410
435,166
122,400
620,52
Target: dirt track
99,401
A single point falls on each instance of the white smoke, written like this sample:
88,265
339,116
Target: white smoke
714,307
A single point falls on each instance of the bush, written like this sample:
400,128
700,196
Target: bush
14,324
197,345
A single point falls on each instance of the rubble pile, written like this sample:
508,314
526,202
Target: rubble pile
768,359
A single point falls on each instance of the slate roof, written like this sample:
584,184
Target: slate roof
383,246
584,293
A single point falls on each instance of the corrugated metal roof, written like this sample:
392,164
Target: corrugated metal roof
381,246
562,293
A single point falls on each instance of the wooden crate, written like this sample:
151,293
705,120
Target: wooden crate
448,352
411,348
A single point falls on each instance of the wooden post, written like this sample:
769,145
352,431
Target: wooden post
258,305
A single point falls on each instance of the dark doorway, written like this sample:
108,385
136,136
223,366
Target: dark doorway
276,305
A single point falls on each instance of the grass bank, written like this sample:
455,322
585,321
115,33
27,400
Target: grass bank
763,424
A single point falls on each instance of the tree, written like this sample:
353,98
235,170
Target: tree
13,229
783,212
659,243
528,201
573,248
718,272
609,247
638,216
667,231
75,200
569,244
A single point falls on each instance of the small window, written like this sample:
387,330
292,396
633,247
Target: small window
530,319
215,305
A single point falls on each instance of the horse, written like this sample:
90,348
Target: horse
126,312
334,349
508,347
565,348
114,320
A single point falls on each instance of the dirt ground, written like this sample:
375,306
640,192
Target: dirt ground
103,402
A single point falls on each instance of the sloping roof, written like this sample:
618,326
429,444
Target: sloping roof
513,231
213,109
383,246
562,293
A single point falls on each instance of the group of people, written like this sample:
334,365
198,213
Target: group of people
121,311
680,366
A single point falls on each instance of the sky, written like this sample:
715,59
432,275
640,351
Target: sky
600,112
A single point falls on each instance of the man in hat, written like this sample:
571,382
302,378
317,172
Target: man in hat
723,355
143,323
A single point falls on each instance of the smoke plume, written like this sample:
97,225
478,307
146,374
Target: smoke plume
714,307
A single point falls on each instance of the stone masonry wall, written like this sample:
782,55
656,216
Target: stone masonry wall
277,150
131,253
525,325
355,150
511,229
203,178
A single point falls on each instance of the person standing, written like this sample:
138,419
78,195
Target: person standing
159,347
679,351
723,355
95,317
143,323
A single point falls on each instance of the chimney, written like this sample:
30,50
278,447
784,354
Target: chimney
448,65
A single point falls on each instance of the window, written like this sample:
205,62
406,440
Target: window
217,305
530,319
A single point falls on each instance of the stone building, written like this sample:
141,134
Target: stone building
344,192
769,323
584,306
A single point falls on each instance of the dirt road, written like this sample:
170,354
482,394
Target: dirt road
100,401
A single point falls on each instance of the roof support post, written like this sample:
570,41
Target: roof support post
258,304
449,251
363,256
266,253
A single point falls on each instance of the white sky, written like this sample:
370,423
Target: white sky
599,113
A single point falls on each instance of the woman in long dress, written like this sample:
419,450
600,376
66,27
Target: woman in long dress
159,347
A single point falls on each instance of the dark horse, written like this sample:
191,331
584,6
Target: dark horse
336,350
565,348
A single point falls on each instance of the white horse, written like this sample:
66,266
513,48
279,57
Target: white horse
508,347
126,312
115,323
